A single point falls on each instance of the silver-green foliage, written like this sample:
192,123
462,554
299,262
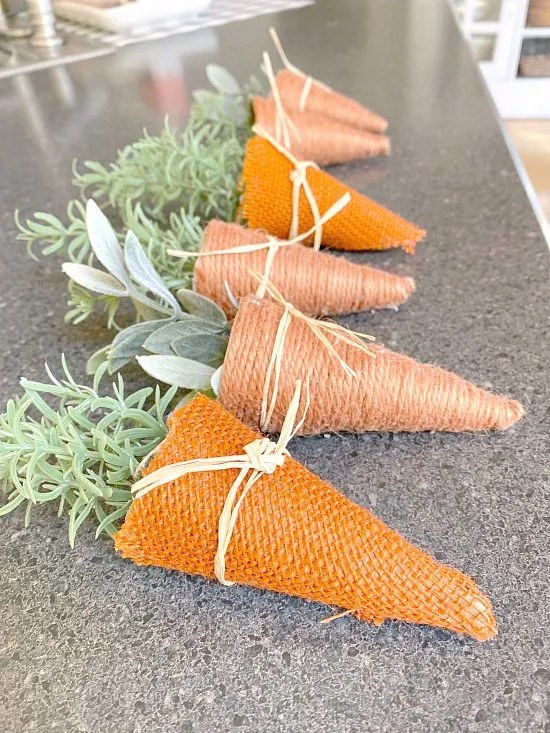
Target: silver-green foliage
178,340
79,447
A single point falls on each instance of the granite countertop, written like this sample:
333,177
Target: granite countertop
89,642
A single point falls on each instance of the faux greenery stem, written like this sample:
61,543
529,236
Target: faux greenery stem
78,447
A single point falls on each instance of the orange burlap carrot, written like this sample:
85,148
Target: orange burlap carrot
318,138
390,392
315,282
267,203
294,534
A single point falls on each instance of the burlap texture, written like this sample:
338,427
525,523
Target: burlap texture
330,104
295,534
320,138
317,283
389,393
266,203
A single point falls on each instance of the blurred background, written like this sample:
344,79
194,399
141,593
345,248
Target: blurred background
510,39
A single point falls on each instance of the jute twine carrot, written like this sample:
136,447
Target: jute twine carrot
389,393
328,335
272,245
286,196
317,283
310,136
293,533
322,140
301,91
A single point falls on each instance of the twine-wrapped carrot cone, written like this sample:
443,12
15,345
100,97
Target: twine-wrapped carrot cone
390,392
318,138
317,283
301,91
293,534
273,199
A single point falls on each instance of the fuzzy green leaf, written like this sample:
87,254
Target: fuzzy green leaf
198,305
177,371
93,279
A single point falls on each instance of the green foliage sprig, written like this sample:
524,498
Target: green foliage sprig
78,446
163,188
180,340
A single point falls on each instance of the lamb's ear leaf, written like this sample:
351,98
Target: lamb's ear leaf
144,273
104,242
198,305
128,343
177,371
207,348
93,279
222,80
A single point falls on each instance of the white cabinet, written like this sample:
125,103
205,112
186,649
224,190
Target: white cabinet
508,49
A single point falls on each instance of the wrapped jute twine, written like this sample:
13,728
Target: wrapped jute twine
317,283
260,457
312,136
309,81
298,176
272,244
326,333
302,92
389,393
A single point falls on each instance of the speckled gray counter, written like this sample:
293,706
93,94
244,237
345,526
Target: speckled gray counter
89,642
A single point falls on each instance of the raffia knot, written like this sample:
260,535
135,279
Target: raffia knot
262,456
299,174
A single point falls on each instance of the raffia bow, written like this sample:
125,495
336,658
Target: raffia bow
298,176
260,457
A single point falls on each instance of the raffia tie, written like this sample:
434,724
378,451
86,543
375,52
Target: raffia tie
321,329
273,245
260,457
309,81
284,125
298,176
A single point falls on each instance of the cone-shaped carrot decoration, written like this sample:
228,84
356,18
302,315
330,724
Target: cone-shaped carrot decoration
318,138
270,179
301,91
294,534
326,102
389,392
315,282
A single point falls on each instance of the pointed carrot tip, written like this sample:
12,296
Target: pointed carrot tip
482,624
402,288
510,413
409,285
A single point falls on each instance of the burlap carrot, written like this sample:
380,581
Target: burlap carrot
276,198
293,533
389,392
315,282
318,138
229,504
304,93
